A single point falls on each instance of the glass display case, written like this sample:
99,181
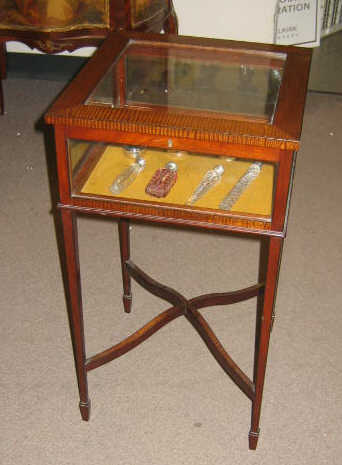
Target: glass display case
224,102
191,132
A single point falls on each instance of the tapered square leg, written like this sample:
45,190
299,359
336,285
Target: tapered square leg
85,410
2,109
74,300
270,264
2,75
253,439
125,255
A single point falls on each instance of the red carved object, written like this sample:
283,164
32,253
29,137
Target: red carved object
162,181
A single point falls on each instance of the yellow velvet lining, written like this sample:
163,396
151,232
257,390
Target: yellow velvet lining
255,200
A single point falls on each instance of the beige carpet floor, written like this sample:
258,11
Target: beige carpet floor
167,402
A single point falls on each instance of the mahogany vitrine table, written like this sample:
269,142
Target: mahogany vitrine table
182,112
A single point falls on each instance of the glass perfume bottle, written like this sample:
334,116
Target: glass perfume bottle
232,197
209,180
126,178
162,181
133,152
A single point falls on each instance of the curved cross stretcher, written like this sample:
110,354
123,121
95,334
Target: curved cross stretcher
189,309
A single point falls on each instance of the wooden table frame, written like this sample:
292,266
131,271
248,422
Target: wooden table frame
279,145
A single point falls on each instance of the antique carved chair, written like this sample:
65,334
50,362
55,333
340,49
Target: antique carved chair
56,25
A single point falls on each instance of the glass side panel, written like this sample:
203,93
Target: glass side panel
236,83
237,186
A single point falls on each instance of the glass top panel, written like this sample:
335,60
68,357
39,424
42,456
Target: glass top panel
236,83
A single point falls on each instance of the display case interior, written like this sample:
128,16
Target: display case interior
237,186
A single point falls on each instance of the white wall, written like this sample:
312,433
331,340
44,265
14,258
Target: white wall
250,20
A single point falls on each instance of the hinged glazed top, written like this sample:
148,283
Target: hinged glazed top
194,88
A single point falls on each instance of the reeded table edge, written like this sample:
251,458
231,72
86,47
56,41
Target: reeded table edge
173,124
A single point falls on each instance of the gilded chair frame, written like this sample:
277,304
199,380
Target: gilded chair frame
67,26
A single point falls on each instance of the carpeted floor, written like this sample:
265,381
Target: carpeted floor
167,402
